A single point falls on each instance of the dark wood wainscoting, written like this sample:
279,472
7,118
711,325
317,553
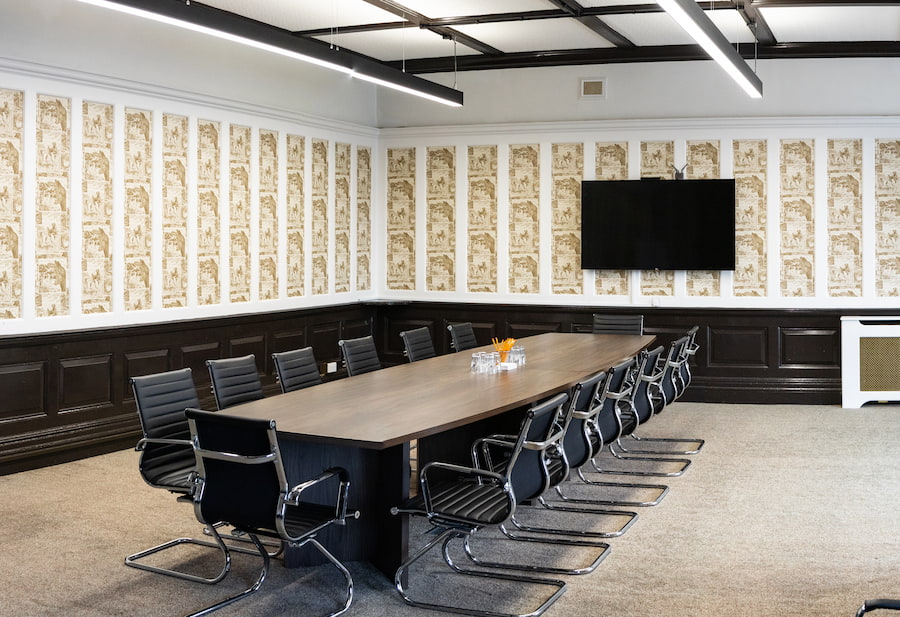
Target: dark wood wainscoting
66,395
745,356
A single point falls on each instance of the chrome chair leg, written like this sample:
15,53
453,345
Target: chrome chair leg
871,605
549,505
240,536
631,472
445,537
636,438
250,590
661,491
134,561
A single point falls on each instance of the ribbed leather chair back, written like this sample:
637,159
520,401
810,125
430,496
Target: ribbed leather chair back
618,324
672,384
417,344
161,399
234,380
296,369
646,396
577,443
462,336
360,355
615,389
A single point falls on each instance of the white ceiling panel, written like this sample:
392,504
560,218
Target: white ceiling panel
387,45
297,15
447,8
541,35
838,23
660,29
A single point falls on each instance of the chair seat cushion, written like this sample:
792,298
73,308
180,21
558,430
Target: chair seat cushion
470,502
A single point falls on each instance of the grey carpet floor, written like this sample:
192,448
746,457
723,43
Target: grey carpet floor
787,510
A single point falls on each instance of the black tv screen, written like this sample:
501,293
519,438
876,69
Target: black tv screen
657,224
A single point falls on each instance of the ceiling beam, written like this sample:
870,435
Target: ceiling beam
756,22
594,23
663,53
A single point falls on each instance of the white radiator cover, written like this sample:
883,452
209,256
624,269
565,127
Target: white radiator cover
870,360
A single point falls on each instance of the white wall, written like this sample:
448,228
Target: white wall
842,87
73,35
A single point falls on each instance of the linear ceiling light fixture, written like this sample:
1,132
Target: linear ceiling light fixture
207,20
689,15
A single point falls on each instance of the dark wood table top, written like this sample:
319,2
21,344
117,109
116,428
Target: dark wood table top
391,406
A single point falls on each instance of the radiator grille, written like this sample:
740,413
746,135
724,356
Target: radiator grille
879,364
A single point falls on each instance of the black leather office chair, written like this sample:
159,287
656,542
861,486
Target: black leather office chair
241,479
417,344
296,369
234,380
462,336
881,603
167,457
618,324
360,355
459,501
583,442
541,466
648,400
672,383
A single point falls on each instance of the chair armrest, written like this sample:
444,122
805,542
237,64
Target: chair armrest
293,496
144,442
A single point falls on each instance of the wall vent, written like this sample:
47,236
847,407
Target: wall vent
593,88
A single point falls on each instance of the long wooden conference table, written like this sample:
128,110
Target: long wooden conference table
365,424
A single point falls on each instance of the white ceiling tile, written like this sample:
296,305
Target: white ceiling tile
387,45
446,8
540,35
839,23
297,15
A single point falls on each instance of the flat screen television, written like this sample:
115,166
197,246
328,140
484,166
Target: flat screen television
657,224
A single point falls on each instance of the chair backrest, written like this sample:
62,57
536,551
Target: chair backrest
618,324
234,380
577,442
161,399
241,475
689,350
296,369
542,431
646,396
462,336
417,344
360,355
615,389
672,385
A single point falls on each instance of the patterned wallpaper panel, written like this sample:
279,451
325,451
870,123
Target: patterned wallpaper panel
342,217
567,172
482,219
296,273
319,216
797,217
845,217
657,161
887,217
138,215
209,157
363,218
703,162
239,230
97,200
175,137
751,214
54,138
611,163
268,215
524,218
441,218
401,218
12,169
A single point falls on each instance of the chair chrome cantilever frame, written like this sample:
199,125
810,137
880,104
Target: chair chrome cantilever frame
417,344
675,375
616,397
462,336
234,380
296,369
241,479
541,465
459,501
167,457
880,603
583,442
